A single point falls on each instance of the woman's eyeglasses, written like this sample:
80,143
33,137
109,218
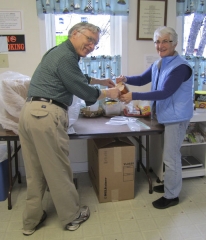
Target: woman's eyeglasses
164,42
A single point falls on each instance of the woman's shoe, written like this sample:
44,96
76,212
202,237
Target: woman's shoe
159,188
163,202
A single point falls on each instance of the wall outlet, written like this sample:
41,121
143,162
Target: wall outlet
4,62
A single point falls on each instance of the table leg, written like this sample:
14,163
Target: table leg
17,173
148,164
10,174
16,149
139,163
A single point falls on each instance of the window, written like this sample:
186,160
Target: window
63,22
111,26
188,20
194,47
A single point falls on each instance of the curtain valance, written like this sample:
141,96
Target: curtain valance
110,7
185,7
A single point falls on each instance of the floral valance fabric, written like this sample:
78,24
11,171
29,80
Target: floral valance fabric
109,7
185,7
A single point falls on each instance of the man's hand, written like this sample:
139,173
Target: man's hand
113,93
126,98
107,82
104,82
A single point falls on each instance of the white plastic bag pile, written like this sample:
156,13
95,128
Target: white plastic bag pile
13,92
74,110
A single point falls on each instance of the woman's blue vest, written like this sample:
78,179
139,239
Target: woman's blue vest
179,106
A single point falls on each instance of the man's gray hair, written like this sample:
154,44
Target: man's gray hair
162,31
84,25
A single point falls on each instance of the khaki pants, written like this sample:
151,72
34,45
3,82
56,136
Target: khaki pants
45,142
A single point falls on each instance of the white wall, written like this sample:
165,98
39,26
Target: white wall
24,62
132,59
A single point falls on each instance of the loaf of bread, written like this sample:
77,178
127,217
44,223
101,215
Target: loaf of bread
122,88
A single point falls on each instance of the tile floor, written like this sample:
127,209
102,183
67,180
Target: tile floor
134,219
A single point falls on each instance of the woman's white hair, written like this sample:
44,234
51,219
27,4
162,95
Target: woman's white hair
162,31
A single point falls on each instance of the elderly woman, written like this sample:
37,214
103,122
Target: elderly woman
171,99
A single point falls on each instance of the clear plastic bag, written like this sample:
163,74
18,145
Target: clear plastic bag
13,92
74,110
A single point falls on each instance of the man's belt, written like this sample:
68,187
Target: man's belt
62,105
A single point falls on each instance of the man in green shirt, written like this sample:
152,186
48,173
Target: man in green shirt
43,127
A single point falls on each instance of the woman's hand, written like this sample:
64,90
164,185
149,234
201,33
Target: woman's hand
121,78
126,98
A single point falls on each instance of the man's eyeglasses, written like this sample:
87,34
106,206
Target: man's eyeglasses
164,42
90,40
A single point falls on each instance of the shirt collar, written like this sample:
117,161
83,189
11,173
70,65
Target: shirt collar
71,48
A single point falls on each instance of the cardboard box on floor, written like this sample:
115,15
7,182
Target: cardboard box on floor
111,168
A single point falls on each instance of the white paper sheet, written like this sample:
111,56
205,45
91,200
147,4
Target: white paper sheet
3,44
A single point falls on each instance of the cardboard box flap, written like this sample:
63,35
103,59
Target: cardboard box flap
111,142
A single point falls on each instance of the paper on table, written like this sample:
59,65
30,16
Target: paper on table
133,123
137,125
119,120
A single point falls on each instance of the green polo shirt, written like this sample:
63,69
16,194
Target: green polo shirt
59,77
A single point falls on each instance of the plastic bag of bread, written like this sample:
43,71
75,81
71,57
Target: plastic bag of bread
13,92
140,109
144,107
